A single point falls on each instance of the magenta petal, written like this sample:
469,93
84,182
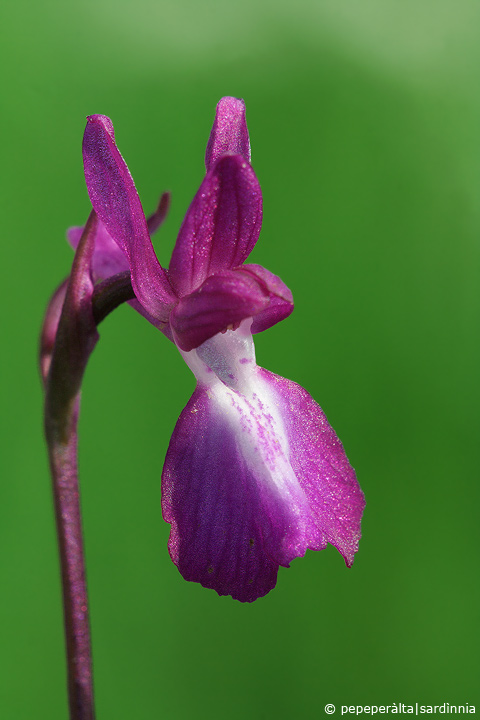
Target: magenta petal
115,199
321,467
223,300
281,299
213,505
221,226
229,133
254,474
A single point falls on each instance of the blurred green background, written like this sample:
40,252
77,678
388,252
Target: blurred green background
364,122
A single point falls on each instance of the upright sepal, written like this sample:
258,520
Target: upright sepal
221,226
115,199
229,133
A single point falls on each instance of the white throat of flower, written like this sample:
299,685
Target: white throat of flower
247,403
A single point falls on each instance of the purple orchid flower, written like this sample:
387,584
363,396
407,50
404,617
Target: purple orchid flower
254,474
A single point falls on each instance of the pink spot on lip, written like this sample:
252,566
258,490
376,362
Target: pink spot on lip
244,361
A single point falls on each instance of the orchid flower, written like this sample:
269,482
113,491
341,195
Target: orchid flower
254,474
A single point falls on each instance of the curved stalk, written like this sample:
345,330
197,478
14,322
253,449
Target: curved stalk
68,337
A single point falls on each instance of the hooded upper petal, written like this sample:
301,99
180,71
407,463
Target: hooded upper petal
223,300
229,133
254,474
227,298
115,199
221,226
218,233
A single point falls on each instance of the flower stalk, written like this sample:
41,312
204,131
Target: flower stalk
63,464
68,338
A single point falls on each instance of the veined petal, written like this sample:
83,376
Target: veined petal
223,300
229,133
254,475
115,199
221,226
212,502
